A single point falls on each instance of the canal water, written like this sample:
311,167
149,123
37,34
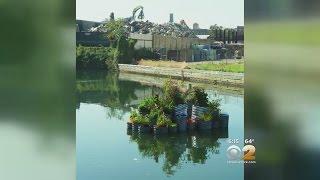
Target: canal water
105,150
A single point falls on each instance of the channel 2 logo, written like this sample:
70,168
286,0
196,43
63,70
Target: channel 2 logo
247,153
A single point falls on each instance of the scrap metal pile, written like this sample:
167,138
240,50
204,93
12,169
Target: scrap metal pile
167,29
146,27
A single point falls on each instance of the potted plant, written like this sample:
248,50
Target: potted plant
148,104
215,122
162,124
143,124
133,116
214,109
205,121
173,128
153,116
198,100
197,96
172,93
167,106
224,120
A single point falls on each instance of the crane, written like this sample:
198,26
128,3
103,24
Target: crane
135,10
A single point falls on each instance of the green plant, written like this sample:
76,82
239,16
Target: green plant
163,121
197,96
125,48
117,34
133,116
148,104
230,67
115,30
167,105
95,58
142,120
171,92
154,115
206,117
214,106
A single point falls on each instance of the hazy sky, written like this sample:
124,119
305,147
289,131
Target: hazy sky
228,13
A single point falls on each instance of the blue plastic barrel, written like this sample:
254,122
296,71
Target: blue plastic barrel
224,120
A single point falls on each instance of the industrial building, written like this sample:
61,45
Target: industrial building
86,38
187,49
227,44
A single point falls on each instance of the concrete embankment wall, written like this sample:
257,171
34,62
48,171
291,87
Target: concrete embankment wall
213,77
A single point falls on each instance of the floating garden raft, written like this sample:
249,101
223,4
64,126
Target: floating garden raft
176,111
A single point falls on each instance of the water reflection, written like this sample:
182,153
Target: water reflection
104,89
103,107
178,149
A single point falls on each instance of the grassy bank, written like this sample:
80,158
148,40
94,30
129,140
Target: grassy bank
191,75
224,66
163,63
237,67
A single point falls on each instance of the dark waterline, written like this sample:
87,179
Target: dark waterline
106,151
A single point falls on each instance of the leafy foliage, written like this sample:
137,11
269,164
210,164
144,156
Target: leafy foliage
95,58
148,104
197,96
115,30
166,105
133,116
159,110
154,115
163,121
142,120
214,106
171,92
118,36
125,49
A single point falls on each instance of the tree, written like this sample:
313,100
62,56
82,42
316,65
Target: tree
115,30
119,39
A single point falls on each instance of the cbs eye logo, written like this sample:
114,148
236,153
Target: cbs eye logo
235,153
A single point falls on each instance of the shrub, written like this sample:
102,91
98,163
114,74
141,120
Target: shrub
118,35
148,104
163,121
142,120
154,115
214,106
197,96
166,105
96,58
133,116
125,49
171,93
